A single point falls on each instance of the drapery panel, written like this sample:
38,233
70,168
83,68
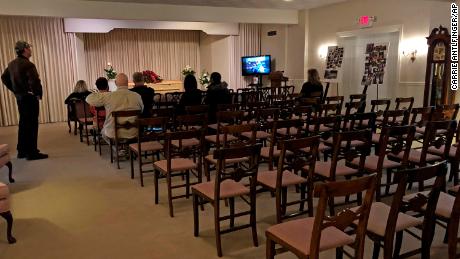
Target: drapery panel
166,52
247,43
53,54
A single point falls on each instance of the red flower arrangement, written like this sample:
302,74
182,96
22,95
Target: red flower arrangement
151,77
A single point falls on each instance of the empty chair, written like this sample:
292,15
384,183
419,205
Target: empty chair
227,185
306,238
181,161
386,222
287,175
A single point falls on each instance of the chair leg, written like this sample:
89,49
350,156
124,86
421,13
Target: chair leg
196,220
117,155
217,229
253,220
187,184
231,202
75,128
87,134
270,249
331,207
171,212
131,161
141,174
9,220
69,125
111,151
454,171
376,250
339,253
302,196
155,183
398,244
10,171
206,170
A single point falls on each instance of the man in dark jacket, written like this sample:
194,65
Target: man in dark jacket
145,92
21,77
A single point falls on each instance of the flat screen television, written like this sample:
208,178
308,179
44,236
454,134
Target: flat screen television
256,65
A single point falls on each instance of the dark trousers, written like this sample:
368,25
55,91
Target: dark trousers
28,106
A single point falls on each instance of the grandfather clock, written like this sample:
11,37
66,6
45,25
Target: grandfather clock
437,80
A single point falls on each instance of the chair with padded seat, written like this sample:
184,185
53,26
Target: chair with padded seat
5,160
307,237
343,154
230,136
380,106
393,139
281,130
130,118
5,212
182,161
84,118
335,100
148,144
290,173
391,118
432,138
228,184
452,231
387,222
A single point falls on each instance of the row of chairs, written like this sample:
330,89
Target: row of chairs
224,131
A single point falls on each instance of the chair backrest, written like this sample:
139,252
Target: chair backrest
395,139
395,118
163,112
380,106
150,129
342,149
127,124
438,134
229,117
404,103
331,121
416,203
347,217
358,121
100,117
267,114
187,122
298,159
332,109
228,107
264,94
421,115
252,152
195,151
315,102
335,100
82,110
157,99
445,112
197,109
173,97
358,97
223,140
354,107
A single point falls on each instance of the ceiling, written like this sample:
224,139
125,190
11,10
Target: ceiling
266,4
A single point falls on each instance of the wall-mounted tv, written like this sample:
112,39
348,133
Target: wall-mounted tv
256,65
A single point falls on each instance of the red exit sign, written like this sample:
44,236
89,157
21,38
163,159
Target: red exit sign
366,21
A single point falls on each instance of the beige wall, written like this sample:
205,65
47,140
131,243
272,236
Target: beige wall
287,48
416,18
215,55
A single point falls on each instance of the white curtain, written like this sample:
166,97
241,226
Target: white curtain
247,43
53,55
166,52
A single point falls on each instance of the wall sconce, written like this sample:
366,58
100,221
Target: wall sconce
411,53
322,51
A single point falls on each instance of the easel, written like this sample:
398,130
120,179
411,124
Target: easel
326,91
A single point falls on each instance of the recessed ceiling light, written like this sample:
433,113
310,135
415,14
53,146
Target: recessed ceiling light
288,0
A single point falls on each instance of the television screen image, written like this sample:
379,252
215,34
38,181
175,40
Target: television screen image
256,65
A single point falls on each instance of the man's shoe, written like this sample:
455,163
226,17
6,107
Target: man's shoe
37,156
21,156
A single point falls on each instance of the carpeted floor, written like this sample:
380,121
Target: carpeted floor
77,205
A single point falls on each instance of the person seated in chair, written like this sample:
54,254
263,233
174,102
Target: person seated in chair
120,100
217,93
145,92
313,87
102,86
191,96
80,92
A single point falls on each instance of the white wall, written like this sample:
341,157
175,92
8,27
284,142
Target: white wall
416,18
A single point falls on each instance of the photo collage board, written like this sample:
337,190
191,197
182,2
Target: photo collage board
334,62
375,63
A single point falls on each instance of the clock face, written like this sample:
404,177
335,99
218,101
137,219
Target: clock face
439,52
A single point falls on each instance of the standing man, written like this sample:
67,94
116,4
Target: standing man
21,77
